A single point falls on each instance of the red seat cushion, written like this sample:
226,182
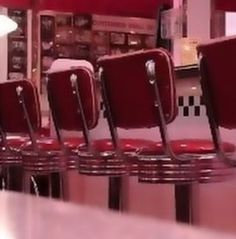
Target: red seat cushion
218,64
73,143
15,141
187,146
44,131
136,108
127,145
49,156
49,144
165,170
183,146
111,164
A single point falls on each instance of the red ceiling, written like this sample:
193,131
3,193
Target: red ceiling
16,3
225,5
139,8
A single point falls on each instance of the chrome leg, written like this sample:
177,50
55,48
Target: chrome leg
7,177
62,186
49,185
14,178
186,203
56,184
29,184
2,179
115,193
26,182
35,186
3,184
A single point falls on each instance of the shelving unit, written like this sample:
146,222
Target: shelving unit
79,36
17,46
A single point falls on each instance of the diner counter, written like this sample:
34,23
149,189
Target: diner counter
188,71
27,217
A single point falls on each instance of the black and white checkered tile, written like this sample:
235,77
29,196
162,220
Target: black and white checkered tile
188,106
191,106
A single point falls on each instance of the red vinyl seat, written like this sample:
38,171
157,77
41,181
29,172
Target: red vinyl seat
165,171
190,146
105,147
63,102
10,155
15,141
20,114
11,159
76,88
217,68
138,91
51,147
73,96
45,131
63,117
11,162
96,157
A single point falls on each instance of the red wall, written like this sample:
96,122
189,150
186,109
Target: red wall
139,8
225,5
16,3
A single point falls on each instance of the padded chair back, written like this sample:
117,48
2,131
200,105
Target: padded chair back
129,92
66,64
63,99
12,118
219,77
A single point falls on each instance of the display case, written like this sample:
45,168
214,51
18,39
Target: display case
17,46
88,36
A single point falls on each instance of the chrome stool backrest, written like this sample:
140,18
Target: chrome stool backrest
218,74
72,97
19,108
139,92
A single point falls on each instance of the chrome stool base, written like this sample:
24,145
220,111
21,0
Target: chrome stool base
185,175
43,173
102,164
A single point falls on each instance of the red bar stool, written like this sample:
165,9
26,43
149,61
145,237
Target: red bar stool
62,99
11,162
139,92
10,156
76,88
62,70
207,168
217,68
20,114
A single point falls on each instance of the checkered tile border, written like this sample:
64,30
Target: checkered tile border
188,106
191,106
